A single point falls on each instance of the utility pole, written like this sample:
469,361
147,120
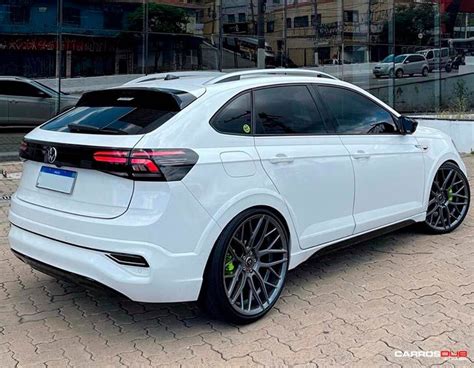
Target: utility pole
369,24
466,33
59,50
221,37
284,62
316,32
261,34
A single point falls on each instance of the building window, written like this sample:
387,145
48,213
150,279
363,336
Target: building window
288,22
112,19
319,19
242,18
270,27
301,22
230,18
71,16
351,16
276,1
19,14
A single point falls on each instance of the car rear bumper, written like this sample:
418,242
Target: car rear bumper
163,281
61,274
174,238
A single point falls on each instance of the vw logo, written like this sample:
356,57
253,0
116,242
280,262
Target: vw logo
51,154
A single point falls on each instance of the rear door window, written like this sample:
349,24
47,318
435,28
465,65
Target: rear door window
287,110
120,112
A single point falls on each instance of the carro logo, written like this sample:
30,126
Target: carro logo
456,354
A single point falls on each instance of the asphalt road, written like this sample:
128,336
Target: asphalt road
366,82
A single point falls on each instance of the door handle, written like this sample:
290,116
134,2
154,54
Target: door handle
359,155
422,147
281,159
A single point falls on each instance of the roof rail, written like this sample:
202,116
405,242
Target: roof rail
235,76
171,76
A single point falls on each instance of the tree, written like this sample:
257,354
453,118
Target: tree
410,22
161,18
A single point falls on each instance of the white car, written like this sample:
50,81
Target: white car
211,186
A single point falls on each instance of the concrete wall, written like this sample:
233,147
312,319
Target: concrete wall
462,132
426,95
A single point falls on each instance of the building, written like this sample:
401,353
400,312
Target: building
98,38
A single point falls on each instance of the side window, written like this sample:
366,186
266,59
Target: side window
412,58
287,110
235,117
12,88
356,114
419,58
429,55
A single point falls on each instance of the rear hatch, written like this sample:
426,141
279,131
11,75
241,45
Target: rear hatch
75,163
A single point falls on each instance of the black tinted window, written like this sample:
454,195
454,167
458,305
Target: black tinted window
235,117
287,110
121,111
356,114
109,120
13,88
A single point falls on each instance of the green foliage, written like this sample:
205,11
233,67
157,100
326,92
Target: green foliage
161,18
410,21
461,95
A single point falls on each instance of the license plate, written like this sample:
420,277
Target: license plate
59,180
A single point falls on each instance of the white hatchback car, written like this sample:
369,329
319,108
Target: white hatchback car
212,186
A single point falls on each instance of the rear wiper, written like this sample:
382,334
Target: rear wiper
81,128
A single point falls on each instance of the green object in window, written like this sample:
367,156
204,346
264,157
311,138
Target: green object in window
246,128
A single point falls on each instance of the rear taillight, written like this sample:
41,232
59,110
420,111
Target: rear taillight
147,164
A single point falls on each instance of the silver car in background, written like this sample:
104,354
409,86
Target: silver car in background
25,102
398,66
437,58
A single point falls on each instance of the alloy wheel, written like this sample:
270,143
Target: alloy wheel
255,264
449,199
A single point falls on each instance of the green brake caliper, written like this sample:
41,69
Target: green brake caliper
450,194
229,265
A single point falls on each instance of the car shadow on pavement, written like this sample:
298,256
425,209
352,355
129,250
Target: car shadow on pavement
111,313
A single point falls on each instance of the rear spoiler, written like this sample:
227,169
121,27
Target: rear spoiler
156,98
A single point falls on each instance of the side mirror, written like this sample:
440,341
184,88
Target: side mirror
408,125
406,62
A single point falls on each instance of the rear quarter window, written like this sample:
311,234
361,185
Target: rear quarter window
235,117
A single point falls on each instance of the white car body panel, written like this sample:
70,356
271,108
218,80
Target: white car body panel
385,196
305,171
323,193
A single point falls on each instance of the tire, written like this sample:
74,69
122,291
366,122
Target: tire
399,73
377,76
239,285
425,72
449,200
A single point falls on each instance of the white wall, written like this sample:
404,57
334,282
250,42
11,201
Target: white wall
462,132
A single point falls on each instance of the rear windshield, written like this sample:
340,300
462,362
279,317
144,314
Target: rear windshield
119,112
